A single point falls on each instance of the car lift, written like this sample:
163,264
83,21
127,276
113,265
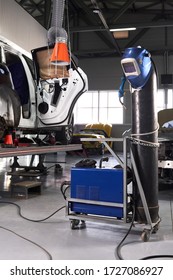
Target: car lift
41,151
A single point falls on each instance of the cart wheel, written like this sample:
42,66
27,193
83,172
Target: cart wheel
145,236
83,224
155,228
74,224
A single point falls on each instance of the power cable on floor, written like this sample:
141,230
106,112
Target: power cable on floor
156,257
65,183
120,245
41,220
31,220
39,246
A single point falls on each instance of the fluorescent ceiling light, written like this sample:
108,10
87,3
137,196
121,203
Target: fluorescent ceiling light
123,29
96,11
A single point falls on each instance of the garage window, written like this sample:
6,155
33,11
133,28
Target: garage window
164,99
98,106
104,106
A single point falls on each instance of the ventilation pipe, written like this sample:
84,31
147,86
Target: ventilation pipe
57,35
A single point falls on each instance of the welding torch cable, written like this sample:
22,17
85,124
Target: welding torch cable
31,220
32,242
157,257
63,191
120,245
144,258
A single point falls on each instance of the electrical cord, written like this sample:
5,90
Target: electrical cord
118,248
31,220
120,245
67,183
122,103
156,257
32,242
50,167
63,191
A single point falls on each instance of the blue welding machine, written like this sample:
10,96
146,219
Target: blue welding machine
97,185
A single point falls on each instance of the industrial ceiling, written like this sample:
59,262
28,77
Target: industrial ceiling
89,22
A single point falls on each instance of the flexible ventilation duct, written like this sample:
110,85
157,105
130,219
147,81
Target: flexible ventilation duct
57,13
56,29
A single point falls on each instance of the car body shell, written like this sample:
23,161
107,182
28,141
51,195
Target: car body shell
34,102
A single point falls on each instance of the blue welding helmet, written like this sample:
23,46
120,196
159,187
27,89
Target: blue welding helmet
137,66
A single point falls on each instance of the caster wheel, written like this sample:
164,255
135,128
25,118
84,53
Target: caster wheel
83,224
145,236
74,224
155,228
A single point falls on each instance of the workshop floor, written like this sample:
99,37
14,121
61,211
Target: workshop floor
21,239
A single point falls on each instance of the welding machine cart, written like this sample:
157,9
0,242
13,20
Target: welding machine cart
104,194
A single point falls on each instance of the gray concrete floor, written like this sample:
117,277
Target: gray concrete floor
26,240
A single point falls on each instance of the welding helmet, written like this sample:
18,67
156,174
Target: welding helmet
137,66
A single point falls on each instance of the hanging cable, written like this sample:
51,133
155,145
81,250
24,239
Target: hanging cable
118,248
121,90
63,191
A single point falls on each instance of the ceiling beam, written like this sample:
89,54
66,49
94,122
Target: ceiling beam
122,10
114,42
92,19
110,53
160,24
141,33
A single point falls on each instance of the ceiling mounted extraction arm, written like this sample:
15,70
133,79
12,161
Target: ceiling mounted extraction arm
57,35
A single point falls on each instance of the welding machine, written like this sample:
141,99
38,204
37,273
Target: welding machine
97,185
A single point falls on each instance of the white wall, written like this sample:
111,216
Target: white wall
17,26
